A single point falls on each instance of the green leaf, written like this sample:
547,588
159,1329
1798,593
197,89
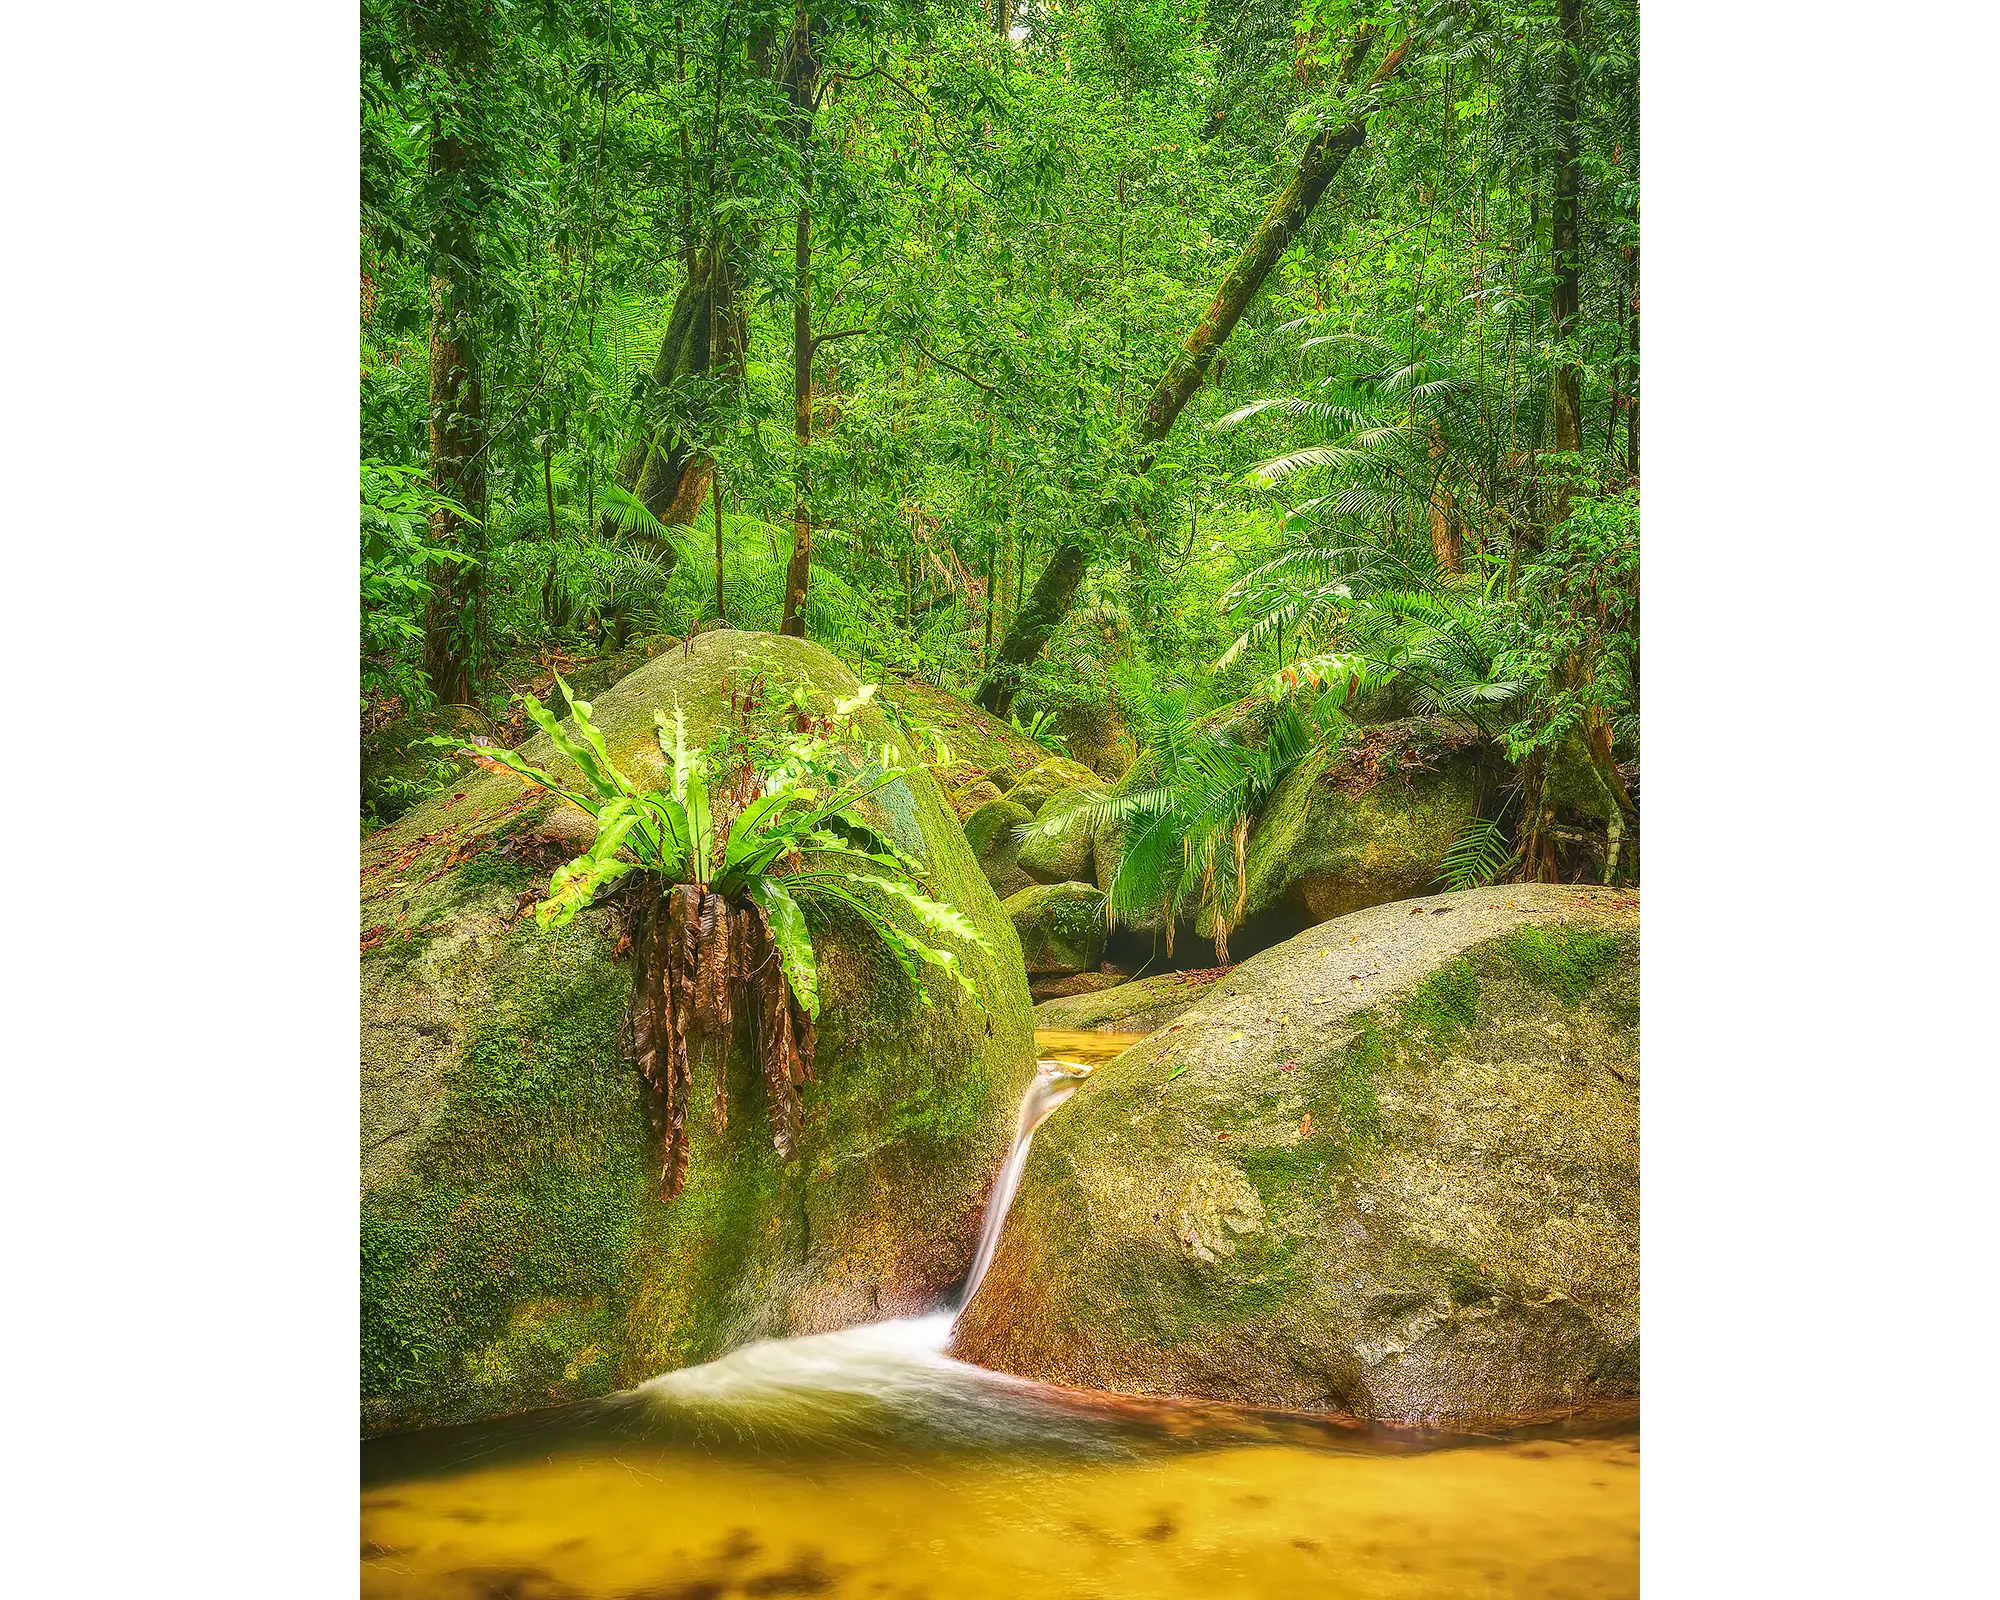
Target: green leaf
580,710
582,755
758,837
793,943
573,887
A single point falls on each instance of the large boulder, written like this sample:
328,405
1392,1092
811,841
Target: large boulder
1060,926
1050,777
981,744
514,1249
1075,683
990,833
1388,1168
1358,827
1066,856
1095,733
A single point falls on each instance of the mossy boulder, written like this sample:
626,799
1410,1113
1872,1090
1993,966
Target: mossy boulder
1075,683
981,744
990,833
398,770
969,797
1067,856
1139,1006
514,1251
1388,1168
1057,986
1095,733
1358,827
1050,777
1060,926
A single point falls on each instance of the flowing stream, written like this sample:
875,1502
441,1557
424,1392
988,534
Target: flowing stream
869,1462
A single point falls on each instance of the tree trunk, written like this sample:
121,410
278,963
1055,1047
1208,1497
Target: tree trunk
716,500
1037,619
454,619
1632,375
1447,539
1566,420
1321,161
801,81
798,574
665,469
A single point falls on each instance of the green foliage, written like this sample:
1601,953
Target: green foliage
1009,241
1573,643
396,504
796,838
1185,821
1480,853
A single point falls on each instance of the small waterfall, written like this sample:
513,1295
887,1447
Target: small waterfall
1055,1082
885,1378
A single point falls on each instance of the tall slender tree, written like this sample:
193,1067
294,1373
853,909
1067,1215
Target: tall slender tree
452,36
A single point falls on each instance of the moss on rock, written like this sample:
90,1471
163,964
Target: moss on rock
990,832
1066,857
514,1250
1050,777
1139,1006
1060,926
1389,1167
1355,828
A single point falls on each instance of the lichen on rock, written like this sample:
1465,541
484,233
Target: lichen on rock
1435,1105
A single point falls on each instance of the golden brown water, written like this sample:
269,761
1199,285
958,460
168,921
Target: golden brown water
1555,1519
1082,1044
868,1463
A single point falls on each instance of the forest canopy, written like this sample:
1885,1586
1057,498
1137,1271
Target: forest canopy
1290,346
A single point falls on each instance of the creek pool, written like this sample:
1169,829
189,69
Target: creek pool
869,1463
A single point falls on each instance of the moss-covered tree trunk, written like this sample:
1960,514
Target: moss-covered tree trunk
667,467
1040,617
1325,154
1323,157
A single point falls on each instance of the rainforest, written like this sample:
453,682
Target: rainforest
999,809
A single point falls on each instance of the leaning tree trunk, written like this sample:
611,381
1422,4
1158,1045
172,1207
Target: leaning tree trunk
1040,617
1320,162
454,619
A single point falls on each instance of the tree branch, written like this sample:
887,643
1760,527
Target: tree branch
940,360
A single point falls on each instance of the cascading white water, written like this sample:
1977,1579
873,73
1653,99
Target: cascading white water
884,1374
1055,1082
